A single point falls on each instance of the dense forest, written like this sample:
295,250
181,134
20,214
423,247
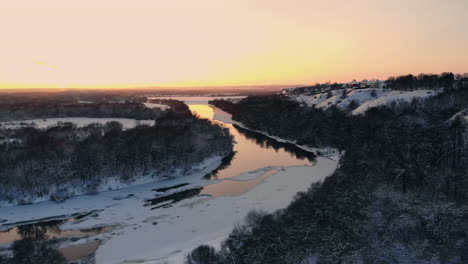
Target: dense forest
64,160
447,80
399,194
43,109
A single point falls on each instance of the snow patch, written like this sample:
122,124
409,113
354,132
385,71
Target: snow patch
159,106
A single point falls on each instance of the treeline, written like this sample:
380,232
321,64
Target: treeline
446,80
398,196
26,111
35,96
176,105
61,160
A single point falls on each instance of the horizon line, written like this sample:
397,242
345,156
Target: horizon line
154,87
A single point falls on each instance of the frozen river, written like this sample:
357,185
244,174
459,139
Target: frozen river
160,222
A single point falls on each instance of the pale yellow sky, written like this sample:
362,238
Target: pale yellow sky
136,43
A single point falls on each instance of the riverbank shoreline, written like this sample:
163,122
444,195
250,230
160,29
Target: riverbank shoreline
331,153
114,183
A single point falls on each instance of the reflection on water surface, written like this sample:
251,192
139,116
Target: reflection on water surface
234,187
254,150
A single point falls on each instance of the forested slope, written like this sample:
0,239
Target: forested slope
399,195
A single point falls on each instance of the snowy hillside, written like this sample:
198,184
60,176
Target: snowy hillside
316,99
359,100
394,97
342,100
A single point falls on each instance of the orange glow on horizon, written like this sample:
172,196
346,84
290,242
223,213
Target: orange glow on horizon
151,43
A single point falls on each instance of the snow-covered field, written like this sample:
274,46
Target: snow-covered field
363,98
78,121
167,234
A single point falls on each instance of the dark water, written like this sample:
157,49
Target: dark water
168,200
235,188
253,150
165,189
79,251
47,229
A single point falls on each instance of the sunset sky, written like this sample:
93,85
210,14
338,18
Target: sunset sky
141,43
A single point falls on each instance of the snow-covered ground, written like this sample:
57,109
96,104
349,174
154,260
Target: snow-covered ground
319,100
159,106
397,97
78,121
167,234
359,96
363,98
463,113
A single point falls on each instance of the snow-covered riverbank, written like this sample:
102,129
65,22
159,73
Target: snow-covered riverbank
111,184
